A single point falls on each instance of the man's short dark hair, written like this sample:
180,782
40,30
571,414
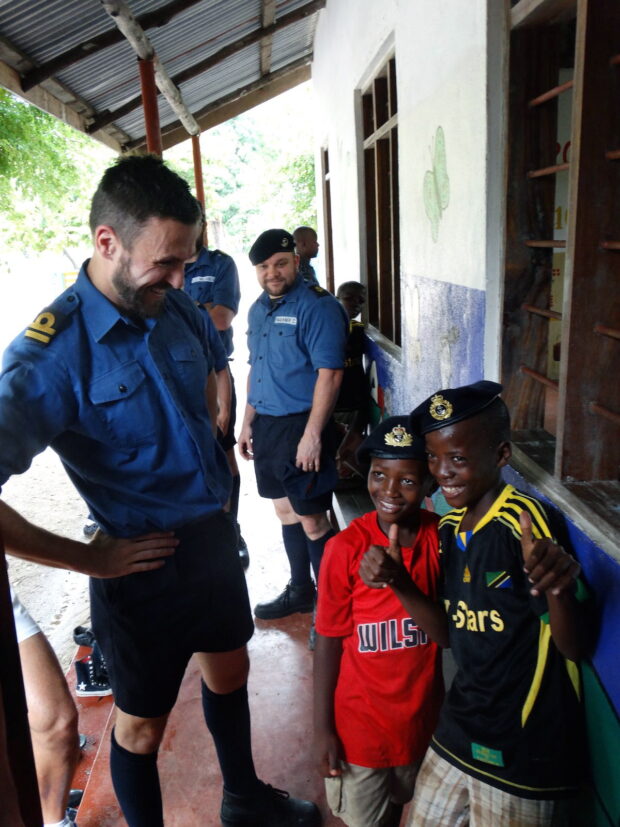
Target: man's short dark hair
137,188
351,286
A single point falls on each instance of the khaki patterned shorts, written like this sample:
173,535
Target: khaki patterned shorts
447,797
361,796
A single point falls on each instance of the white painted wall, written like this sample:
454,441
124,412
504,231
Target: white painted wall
442,65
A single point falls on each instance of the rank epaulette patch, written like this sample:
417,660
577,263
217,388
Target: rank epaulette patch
48,323
320,291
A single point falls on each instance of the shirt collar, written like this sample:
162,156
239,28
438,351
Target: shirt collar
98,311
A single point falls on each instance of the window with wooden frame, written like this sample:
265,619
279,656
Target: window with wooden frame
380,148
328,235
561,338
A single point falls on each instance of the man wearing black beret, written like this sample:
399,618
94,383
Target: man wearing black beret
296,337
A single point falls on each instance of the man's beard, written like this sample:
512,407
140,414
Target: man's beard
132,300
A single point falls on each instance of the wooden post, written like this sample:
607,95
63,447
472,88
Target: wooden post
149,104
18,744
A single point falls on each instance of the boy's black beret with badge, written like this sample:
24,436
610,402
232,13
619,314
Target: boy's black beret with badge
451,405
270,242
391,440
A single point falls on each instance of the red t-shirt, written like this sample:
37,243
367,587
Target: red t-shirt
390,685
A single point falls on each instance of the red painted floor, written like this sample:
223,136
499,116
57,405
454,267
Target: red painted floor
280,688
280,700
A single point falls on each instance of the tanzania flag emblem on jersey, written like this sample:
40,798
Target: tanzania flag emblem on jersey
498,580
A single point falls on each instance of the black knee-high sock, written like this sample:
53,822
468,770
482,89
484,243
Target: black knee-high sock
234,496
316,549
297,553
136,784
228,719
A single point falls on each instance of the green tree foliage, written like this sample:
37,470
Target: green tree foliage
298,171
258,171
46,169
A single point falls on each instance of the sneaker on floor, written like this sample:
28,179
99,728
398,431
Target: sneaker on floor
83,636
292,599
312,633
90,528
244,554
91,682
268,807
74,799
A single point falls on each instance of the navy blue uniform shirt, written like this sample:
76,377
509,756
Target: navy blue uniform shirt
289,339
213,279
123,405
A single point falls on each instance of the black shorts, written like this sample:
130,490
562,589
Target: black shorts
150,624
274,443
227,440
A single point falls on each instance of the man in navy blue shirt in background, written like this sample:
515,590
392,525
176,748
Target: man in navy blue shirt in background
212,281
110,376
297,334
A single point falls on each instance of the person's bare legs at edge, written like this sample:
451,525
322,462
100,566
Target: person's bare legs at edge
53,722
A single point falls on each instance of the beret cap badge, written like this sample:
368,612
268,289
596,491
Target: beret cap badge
440,408
398,437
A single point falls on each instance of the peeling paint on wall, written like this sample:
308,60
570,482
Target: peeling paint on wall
436,189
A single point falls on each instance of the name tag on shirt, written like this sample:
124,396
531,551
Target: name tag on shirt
285,320
203,278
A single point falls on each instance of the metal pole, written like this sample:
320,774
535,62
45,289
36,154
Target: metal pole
149,104
200,190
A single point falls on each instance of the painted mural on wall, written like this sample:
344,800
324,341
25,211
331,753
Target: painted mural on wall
436,189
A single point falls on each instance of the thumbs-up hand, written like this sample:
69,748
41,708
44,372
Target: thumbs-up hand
381,566
547,565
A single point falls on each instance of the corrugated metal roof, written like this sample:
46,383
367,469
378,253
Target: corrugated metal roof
43,30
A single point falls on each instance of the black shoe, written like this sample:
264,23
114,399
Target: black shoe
293,599
268,807
244,554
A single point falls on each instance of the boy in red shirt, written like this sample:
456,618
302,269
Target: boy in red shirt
378,683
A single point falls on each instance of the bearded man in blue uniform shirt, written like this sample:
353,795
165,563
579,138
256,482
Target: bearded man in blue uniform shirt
110,375
297,335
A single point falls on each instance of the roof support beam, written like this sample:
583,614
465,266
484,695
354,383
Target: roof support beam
239,101
126,22
106,118
268,18
151,20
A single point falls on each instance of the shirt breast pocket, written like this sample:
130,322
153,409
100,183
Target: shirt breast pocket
282,344
123,402
191,366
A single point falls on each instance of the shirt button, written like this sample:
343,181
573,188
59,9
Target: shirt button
264,334
260,380
260,357
122,388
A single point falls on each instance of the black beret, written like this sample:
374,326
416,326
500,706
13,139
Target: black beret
391,440
270,242
451,405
